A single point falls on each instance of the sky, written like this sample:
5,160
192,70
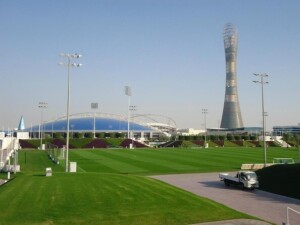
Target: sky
170,52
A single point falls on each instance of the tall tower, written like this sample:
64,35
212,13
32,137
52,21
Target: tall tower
232,117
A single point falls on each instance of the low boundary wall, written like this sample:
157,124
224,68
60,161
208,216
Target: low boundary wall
254,166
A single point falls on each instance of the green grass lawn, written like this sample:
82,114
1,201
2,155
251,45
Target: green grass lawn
167,161
97,198
110,187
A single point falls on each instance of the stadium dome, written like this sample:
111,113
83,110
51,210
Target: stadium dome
105,122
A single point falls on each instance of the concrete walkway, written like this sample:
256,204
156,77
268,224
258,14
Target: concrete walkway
264,205
2,181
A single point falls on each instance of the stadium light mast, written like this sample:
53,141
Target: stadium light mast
132,108
128,93
94,105
42,106
69,64
262,82
204,112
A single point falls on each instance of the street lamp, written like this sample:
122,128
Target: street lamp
94,105
128,93
69,64
262,82
132,108
42,106
204,112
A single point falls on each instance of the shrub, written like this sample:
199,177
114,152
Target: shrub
89,135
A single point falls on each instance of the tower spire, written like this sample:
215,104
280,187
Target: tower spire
21,124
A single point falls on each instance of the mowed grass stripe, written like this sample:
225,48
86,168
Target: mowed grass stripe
149,165
194,162
145,161
195,159
89,162
150,160
184,162
130,159
121,166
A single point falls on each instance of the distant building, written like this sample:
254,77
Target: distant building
279,130
241,130
140,126
189,132
231,117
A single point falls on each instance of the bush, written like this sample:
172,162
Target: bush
253,137
78,135
221,137
89,135
237,137
57,135
229,137
212,137
100,135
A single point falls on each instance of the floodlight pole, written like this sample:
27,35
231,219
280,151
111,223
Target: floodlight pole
69,64
128,93
262,82
94,105
132,108
42,106
204,112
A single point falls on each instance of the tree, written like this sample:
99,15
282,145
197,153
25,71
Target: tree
245,137
120,135
229,137
78,135
57,135
237,137
297,139
89,135
253,137
221,137
212,137
187,138
180,138
100,135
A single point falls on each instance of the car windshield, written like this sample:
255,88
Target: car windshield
251,176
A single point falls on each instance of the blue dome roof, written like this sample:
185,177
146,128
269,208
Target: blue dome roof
86,124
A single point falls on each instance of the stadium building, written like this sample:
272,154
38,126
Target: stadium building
139,126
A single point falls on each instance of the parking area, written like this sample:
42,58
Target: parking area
261,204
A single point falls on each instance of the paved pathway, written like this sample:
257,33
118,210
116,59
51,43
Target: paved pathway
264,205
2,182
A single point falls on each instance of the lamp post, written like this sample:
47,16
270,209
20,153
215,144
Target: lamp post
262,82
204,112
132,108
94,105
69,64
42,106
128,93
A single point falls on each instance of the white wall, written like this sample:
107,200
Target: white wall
22,135
9,143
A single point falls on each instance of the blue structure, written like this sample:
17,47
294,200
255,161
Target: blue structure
86,124
146,125
21,126
279,130
95,123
